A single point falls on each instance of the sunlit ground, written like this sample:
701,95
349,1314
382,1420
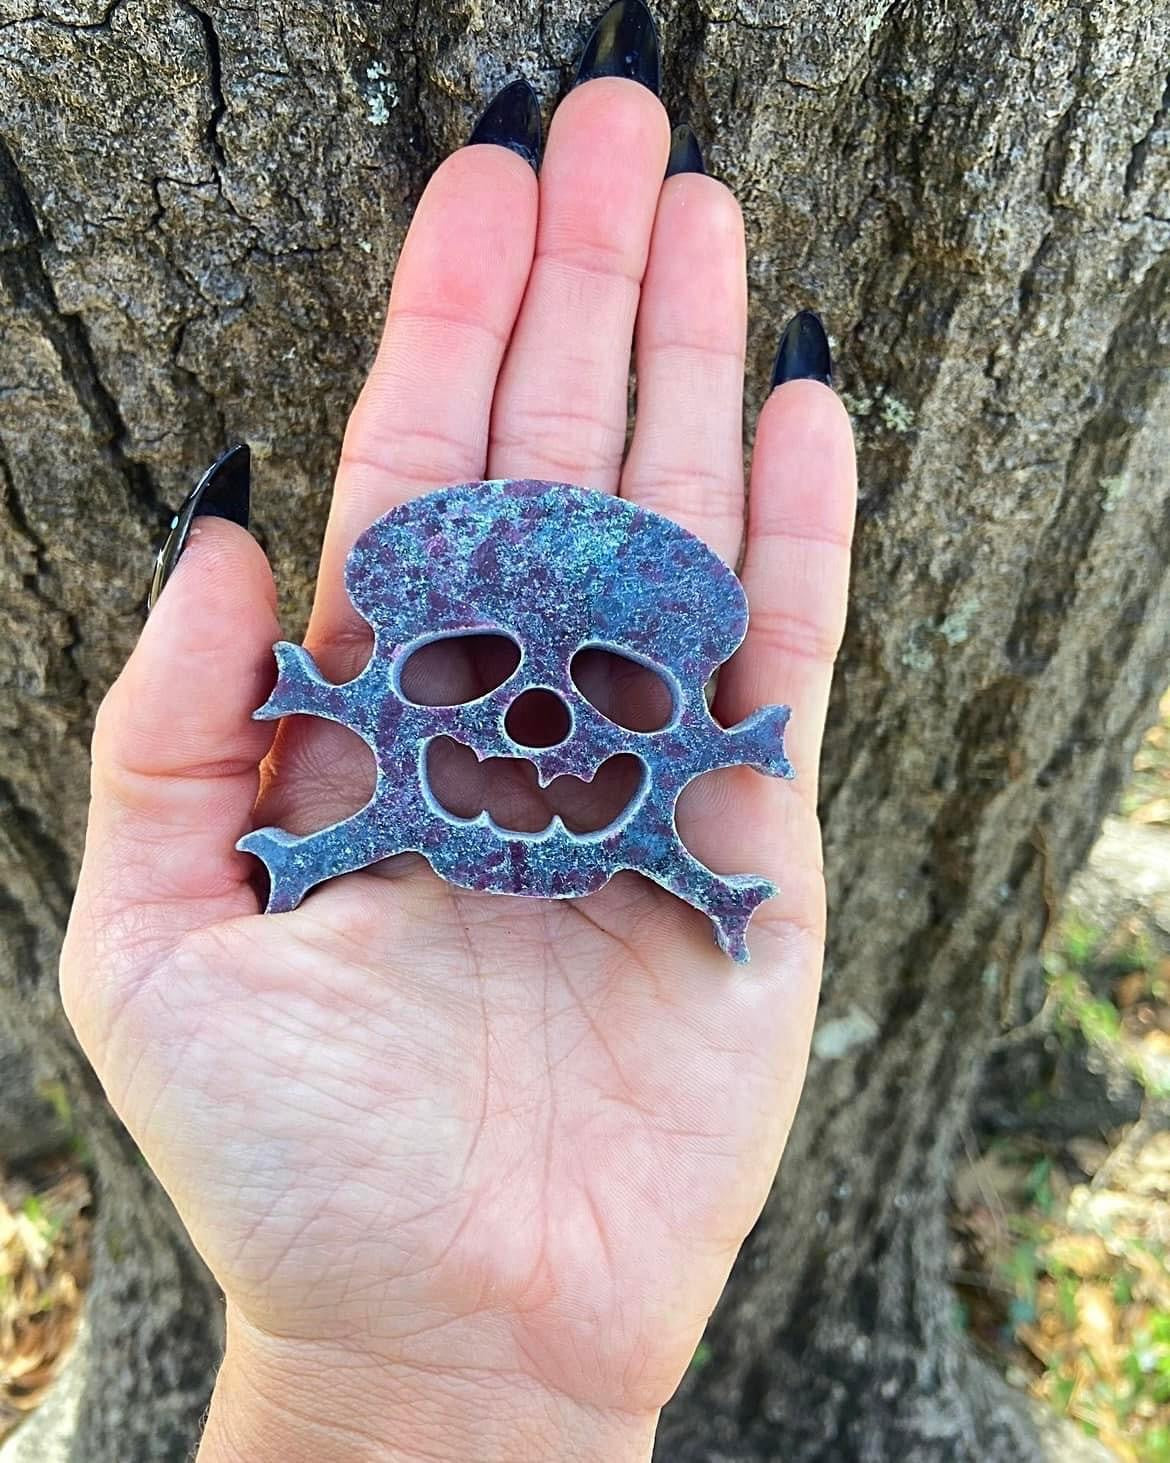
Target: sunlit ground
1061,1239
44,1265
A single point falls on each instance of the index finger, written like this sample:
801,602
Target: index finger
422,418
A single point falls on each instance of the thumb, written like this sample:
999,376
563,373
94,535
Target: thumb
176,761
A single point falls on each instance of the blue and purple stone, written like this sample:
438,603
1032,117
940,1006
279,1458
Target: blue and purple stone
557,569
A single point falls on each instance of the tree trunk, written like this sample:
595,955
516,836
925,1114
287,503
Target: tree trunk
199,213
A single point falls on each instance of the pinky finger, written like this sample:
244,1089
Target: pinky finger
796,567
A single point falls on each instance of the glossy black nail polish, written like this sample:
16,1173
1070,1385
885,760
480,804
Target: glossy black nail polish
224,491
624,42
804,351
686,156
512,119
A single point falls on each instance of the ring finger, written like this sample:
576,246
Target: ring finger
686,459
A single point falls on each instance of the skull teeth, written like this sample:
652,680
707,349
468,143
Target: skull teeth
506,790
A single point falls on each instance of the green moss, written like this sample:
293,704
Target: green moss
917,654
956,627
857,406
1113,489
701,1357
895,415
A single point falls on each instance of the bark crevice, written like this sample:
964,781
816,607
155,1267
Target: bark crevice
214,79
27,281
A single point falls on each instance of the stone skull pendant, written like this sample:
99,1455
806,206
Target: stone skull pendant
559,571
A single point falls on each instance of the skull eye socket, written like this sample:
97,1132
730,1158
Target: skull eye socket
451,670
626,691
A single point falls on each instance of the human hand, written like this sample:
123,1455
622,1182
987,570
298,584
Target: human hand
472,1170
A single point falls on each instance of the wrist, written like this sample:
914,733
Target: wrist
289,1401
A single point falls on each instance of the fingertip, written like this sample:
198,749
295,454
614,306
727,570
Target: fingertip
215,621
804,466
223,570
712,193
697,247
480,197
613,116
480,165
700,223
808,407
469,247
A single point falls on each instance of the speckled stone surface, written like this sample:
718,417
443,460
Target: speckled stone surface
558,569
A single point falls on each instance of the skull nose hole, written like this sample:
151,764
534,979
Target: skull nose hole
538,718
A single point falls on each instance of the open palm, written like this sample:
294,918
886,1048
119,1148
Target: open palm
507,1141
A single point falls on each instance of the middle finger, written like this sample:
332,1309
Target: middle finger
561,403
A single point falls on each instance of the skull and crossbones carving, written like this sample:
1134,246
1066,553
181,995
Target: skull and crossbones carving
558,569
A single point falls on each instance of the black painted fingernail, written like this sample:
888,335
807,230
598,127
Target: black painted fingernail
224,491
624,42
804,351
686,156
512,119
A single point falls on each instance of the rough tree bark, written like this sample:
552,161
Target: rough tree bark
199,212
